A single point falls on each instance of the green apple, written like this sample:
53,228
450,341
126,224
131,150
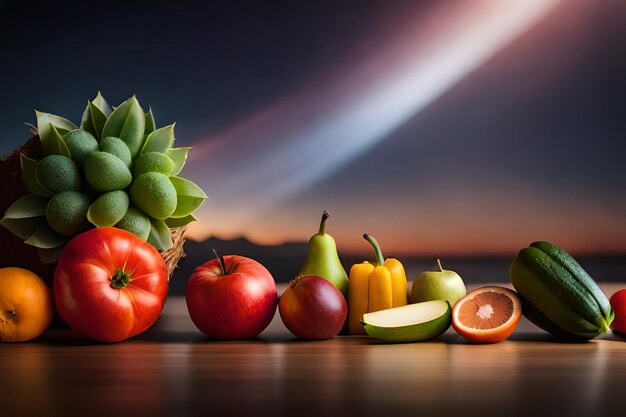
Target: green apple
409,323
438,285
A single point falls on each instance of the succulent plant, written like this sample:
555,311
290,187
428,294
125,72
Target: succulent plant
116,169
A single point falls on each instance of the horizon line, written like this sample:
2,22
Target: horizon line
420,255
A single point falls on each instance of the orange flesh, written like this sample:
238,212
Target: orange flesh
487,310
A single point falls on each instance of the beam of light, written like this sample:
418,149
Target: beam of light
263,160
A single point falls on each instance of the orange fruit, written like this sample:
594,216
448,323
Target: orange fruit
487,314
26,308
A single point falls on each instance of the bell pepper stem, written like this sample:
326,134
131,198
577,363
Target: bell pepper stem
379,254
220,260
325,217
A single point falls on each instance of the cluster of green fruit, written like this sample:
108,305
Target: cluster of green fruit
116,169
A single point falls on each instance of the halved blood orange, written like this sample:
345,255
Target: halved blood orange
487,314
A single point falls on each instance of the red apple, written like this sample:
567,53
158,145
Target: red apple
232,297
618,303
313,308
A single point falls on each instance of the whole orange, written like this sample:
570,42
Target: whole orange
26,308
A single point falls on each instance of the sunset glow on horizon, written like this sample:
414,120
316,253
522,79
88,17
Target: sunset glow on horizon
443,232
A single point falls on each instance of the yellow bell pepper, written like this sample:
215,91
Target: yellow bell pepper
374,286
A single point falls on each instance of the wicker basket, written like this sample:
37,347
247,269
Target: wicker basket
14,252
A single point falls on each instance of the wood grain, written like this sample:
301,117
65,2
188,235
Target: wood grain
172,370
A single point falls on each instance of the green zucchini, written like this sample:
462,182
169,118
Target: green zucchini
558,294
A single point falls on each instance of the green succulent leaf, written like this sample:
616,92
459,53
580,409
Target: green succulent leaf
179,157
160,236
160,140
63,132
28,206
127,122
24,228
189,197
29,178
26,216
50,256
95,116
46,238
93,120
32,129
180,222
102,104
46,122
150,123
56,145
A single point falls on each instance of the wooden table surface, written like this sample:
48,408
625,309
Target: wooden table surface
172,370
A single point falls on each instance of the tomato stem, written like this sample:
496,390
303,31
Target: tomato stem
220,260
120,279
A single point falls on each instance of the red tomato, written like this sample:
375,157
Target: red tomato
618,303
109,284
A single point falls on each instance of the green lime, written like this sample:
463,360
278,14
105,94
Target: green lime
67,212
58,173
154,194
153,162
135,221
80,143
108,209
106,172
117,147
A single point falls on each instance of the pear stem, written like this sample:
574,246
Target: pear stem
439,263
379,254
220,260
325,217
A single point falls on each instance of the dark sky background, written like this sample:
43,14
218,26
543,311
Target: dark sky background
514,131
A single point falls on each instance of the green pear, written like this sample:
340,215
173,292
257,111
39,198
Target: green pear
322,259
